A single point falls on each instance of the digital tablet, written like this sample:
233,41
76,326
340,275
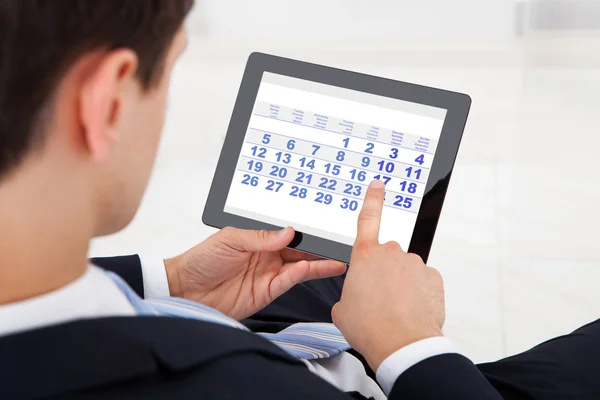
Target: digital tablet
305,141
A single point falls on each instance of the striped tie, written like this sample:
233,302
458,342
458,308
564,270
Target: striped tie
305,341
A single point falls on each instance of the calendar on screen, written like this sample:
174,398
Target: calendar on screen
311,150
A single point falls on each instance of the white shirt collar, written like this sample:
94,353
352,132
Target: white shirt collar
93,295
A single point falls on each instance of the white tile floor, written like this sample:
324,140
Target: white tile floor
517,239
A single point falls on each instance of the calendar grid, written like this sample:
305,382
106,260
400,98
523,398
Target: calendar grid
345,150
276,178
339,133
322,159
336,177
319,189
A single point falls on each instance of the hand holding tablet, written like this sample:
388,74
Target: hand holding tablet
305,141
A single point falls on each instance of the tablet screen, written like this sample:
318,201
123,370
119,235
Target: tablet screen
311,150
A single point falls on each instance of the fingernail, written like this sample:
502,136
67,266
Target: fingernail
377,184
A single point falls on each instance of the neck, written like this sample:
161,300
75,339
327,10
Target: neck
44,234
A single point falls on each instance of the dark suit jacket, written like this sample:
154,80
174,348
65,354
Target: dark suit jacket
158,357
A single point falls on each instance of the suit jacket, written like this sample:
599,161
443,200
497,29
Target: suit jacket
158,357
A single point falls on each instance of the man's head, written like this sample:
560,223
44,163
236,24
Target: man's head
83,90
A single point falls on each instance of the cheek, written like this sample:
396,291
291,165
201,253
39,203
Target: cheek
156,116
150,127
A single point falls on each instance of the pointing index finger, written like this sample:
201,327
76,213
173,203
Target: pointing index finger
369,218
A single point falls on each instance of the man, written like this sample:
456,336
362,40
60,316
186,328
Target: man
83,87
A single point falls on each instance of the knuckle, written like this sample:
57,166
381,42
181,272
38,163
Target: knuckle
364,247
415,258
394,247
335,313
367,214
436,275
262,234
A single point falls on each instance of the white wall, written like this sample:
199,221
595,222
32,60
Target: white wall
388,20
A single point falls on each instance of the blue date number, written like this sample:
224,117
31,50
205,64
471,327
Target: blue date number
324,198
410,171
388,167
304,178
286,157
360,175
332,169
304,162
278,171
259,152
250,180
351,205
402,201
328,183
256,166
385,179
353,190
274,186
298,192
410,188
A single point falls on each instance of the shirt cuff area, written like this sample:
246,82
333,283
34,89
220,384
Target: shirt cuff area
154,275
409,356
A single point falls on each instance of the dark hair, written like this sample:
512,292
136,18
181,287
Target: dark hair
41,39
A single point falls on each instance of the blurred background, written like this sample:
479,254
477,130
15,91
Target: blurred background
516,242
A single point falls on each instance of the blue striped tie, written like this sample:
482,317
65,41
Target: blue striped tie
305,341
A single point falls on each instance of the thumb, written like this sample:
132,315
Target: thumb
261,240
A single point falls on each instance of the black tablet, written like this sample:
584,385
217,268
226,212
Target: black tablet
305,141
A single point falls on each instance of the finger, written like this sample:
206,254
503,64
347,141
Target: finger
291,255
369,218
294,273
258,240
318,269
288,278
322,269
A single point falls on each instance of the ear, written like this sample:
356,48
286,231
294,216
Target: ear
101,101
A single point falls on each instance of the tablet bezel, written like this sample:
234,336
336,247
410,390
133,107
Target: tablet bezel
457,104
